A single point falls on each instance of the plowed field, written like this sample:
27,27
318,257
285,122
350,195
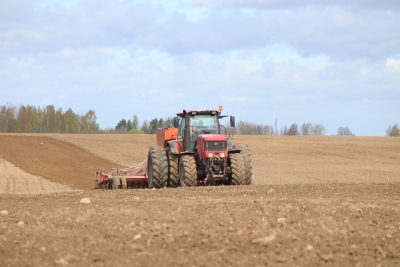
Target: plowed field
330,201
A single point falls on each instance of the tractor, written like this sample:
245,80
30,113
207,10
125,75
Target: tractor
196,153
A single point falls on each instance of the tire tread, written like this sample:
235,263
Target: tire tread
248,167
189,170
158,165
237,166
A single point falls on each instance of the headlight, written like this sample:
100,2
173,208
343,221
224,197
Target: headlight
222,155
210,155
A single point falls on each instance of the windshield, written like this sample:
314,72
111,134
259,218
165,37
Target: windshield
204,124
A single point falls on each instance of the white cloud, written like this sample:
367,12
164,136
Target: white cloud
54,4
200,2
235,99
294,98
393,65
67,52
290,4
334,31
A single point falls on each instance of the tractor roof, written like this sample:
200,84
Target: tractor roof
200,112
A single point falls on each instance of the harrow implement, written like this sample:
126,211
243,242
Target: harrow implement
131,177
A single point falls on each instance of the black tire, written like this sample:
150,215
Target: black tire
115,182
157,168
237,167
187,171
124,184
173,171
248,167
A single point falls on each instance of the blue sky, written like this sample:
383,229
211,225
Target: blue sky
330,62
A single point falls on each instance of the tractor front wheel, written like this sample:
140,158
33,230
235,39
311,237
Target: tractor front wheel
237,166
187,171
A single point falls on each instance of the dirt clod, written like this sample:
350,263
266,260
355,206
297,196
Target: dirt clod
85,200
265,239
271,191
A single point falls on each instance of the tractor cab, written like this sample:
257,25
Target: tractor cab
195,123
200,122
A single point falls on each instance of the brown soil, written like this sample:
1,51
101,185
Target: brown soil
55,160
16,181
329,201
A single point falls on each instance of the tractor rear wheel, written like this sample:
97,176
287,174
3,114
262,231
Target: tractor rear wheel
248,168
187,171
173,169
237,166
157,168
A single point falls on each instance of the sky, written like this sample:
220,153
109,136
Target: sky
333,62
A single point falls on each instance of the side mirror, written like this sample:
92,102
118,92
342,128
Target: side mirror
232,121
176,122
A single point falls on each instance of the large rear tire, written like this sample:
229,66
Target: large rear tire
248,167
173,169
157,168
237,166
187,171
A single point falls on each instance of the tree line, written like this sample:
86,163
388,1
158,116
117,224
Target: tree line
241,128
47,119
393,130
306,128
134,127
249,128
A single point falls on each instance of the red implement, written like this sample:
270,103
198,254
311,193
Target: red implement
132,177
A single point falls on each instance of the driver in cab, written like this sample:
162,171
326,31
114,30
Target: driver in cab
201,129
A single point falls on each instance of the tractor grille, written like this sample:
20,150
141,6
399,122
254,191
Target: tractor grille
215,146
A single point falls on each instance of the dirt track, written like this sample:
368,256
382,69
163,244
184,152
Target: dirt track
328,201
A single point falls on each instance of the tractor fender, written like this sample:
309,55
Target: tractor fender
230,146
233,151
186,153
175,146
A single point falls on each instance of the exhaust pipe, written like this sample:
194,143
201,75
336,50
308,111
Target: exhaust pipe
186,136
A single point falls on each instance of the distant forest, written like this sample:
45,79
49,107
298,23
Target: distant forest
242,128
48,119
31,119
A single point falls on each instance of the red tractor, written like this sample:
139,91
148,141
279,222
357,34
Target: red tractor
195,153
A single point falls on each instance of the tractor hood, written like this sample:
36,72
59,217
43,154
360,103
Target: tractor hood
212,145
211,137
